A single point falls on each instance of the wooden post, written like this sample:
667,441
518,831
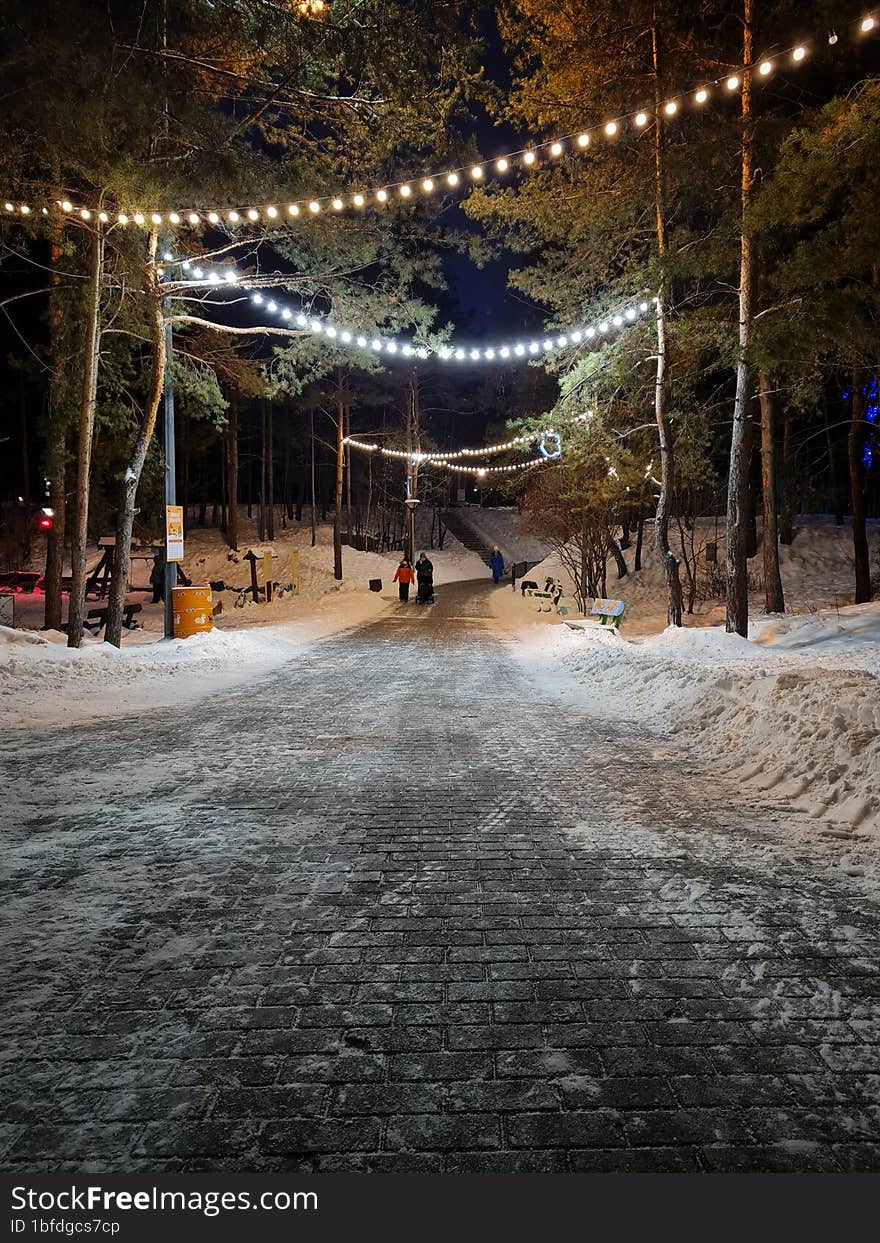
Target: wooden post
251,556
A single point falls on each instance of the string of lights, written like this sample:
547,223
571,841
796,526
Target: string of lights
526,158
376,343
444,460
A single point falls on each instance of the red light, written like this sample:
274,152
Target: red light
46,524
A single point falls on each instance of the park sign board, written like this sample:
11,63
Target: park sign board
174,532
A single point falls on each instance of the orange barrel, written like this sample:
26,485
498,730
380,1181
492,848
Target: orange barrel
192,610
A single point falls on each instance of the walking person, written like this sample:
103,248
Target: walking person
496,564
425,576
403,576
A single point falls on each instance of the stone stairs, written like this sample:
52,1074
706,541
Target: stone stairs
466,535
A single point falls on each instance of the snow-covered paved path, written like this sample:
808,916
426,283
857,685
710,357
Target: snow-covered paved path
392,907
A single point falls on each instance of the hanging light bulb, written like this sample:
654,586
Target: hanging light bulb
452,179
122,218
102,215
405,191
253,214
293,209
234,217
382,196
337,204
427,185
138,218
358,200
502,166
641,119
477,172
671,108
174,218
868,23
156,218
765,68
583,140
702,95
529,157
84,212
732,82
611,128
314,207
213,218
271,212
799,53
556,148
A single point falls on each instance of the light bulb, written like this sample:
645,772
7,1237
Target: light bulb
138,218
603,327
213,218
405,191
391,347
764,68
502,166
215,280
66,206
229,276
477,172
576,335
799,53
253,214
234,217
556,148
641,119
174,218
84,212
452,179
376,344
519,350
337,204
382,195
617,321
9,206
590,332
459,354
732,83
671,108
156,218
193,217
611,129
583,140
529,157
362,341
257,298
505,352
548,344
702,95
330,330
316,326
643,306
293,209
630,313
475,354
867,24
534,348
490,354
271,212
285,314
102,215
168,257
122,218
345,336
314,207
301,320
562,342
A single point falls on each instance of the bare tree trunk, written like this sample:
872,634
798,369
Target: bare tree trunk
855,443
640,531
131,480
337,503
738,476
232,527
774,600
667,452
619,559
261,529
56,458
786,516
312,445
85,433
270,475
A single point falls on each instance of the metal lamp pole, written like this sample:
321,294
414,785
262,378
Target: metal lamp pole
170,471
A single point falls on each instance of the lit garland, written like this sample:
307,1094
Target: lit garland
445,461
454,179
538,347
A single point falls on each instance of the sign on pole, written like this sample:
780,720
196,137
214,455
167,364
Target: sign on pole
294,570
174,532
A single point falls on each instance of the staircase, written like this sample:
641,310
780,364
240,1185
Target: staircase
466,535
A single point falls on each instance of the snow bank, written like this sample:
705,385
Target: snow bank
793,712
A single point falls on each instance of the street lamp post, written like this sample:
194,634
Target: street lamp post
170,472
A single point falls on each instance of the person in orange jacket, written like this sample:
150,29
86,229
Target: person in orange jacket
403,576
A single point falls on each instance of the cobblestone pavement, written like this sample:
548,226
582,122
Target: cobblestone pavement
390,908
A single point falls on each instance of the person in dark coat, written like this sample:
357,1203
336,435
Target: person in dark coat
425,577
403,576
157,576
496,564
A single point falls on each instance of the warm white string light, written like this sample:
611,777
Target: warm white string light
444,460
198,277
528,157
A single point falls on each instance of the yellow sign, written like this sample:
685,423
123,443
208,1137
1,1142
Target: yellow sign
174,532
294,570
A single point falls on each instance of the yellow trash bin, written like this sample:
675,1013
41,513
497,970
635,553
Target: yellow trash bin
192,610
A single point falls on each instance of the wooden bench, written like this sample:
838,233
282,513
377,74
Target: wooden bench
97,617
608,611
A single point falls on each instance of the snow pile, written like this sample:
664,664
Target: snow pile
794,714
45,683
